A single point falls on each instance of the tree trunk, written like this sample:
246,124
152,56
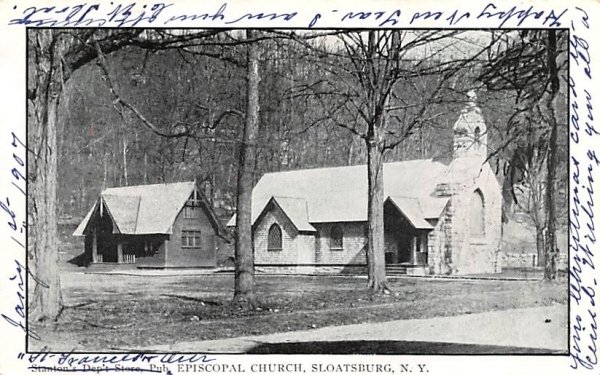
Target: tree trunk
540,246
375,248
125,177
377,98
375,235
145,167
105,166
244,296
45,301
551,248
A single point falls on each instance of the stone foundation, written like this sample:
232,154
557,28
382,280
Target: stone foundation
417,271
311,269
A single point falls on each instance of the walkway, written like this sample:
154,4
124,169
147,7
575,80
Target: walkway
528,330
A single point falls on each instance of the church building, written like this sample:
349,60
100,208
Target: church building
440,218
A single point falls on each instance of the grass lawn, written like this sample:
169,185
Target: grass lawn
116,312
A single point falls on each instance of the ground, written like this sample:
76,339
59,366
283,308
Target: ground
126,312
531,330
143,310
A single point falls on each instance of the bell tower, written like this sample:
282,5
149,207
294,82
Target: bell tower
470,132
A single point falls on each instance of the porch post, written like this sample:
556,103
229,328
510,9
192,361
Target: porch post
423,249
120,252
94,246
413,243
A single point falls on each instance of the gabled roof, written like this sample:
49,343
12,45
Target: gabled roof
123,210
339,194
294,208
145,209
411,209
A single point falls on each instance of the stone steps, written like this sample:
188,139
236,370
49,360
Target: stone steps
110,266
395,269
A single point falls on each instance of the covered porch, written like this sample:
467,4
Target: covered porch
406,233
105,243
123,249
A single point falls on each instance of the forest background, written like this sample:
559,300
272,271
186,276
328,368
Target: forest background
301,121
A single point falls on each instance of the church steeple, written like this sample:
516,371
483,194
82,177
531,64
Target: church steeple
470,132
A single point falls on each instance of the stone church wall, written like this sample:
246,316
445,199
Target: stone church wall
470,254
451,248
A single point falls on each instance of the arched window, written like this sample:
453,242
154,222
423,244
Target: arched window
477,223
274,240
336,241
477,136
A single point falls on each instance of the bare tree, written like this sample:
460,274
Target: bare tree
54,55
244,250
391,82
527,64
45,89
550,268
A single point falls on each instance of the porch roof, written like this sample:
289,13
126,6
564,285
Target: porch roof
411,209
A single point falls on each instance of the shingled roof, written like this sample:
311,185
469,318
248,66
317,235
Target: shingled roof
144,209
340,194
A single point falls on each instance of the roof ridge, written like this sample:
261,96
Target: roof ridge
146,185
403,196
137,214
349,166
284,196
307,213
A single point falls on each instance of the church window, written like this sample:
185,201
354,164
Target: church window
336,241
274,242
477,221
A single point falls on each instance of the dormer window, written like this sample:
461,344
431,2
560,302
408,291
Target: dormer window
192,206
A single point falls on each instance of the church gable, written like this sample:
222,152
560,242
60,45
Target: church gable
276,239
274,214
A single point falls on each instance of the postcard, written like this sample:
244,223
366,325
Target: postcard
298,187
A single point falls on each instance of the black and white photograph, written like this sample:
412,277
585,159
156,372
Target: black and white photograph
294,191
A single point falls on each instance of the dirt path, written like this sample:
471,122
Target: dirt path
540,328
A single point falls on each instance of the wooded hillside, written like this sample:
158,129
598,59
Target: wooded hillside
105,145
